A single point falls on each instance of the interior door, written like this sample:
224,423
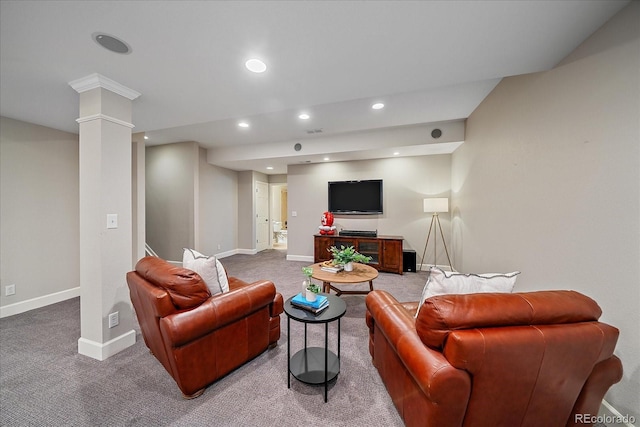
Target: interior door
262,216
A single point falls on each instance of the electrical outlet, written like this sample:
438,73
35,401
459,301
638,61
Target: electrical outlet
113,320
9,290
219,246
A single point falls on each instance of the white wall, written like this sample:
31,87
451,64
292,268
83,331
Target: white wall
548,183
39,214
406,182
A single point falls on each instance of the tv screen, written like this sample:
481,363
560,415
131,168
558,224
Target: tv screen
355,197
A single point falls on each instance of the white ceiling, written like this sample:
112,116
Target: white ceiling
428,61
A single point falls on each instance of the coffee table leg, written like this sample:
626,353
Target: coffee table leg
370,285
325,287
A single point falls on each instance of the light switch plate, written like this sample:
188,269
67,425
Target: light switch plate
112,220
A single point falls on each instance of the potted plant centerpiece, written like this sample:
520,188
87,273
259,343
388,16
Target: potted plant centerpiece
309,289
346,256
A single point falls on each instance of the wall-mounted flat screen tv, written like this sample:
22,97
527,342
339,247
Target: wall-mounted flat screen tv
355,197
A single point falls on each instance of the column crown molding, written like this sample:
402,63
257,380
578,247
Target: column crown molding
104,117
96,80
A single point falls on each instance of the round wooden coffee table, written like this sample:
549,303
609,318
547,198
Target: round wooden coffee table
361,273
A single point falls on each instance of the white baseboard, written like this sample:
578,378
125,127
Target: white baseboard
43,301
304,258
100,351
246,251
227,253
426,267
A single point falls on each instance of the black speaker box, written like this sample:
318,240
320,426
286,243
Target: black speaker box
409,260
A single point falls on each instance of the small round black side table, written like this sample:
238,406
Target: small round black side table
314,365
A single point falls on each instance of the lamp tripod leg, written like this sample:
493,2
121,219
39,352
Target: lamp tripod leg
433,219
444,244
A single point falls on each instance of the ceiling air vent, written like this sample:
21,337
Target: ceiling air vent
312,131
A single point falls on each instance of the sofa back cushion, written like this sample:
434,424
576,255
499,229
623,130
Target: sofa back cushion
185,287
440,315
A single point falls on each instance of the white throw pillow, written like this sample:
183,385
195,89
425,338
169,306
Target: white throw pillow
442,282
209,268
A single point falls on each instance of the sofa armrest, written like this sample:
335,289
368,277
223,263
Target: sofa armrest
437,378
218,311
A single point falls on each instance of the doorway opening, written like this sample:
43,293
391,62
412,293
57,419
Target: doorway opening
279,216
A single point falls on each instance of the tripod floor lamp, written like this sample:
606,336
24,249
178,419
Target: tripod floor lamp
436,205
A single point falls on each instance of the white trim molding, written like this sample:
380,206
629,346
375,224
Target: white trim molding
101,351
304,258
105,117
427,267
96,80
247,251
43,301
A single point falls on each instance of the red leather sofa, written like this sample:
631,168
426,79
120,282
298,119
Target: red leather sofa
197,337
521,359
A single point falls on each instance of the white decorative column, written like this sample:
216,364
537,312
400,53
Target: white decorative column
106,223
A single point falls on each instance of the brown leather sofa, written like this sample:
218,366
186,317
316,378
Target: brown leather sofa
197,337
521,359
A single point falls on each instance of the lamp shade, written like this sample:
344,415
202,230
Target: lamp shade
438,204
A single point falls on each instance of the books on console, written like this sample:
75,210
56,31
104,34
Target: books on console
315,307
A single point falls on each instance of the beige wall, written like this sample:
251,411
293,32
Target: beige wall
170,192
218,196
190,203
548,183
39,216
406,182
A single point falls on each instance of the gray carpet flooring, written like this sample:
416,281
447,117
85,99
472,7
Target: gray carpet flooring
45,382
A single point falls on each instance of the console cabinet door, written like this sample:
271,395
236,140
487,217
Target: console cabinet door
392,255
370,248
320,248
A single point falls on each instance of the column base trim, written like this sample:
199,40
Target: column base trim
100,351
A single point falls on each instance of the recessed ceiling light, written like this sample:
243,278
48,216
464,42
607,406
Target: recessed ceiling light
243,124
326,158
304,116
378,106
270,168
146,137
255,65
396,153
